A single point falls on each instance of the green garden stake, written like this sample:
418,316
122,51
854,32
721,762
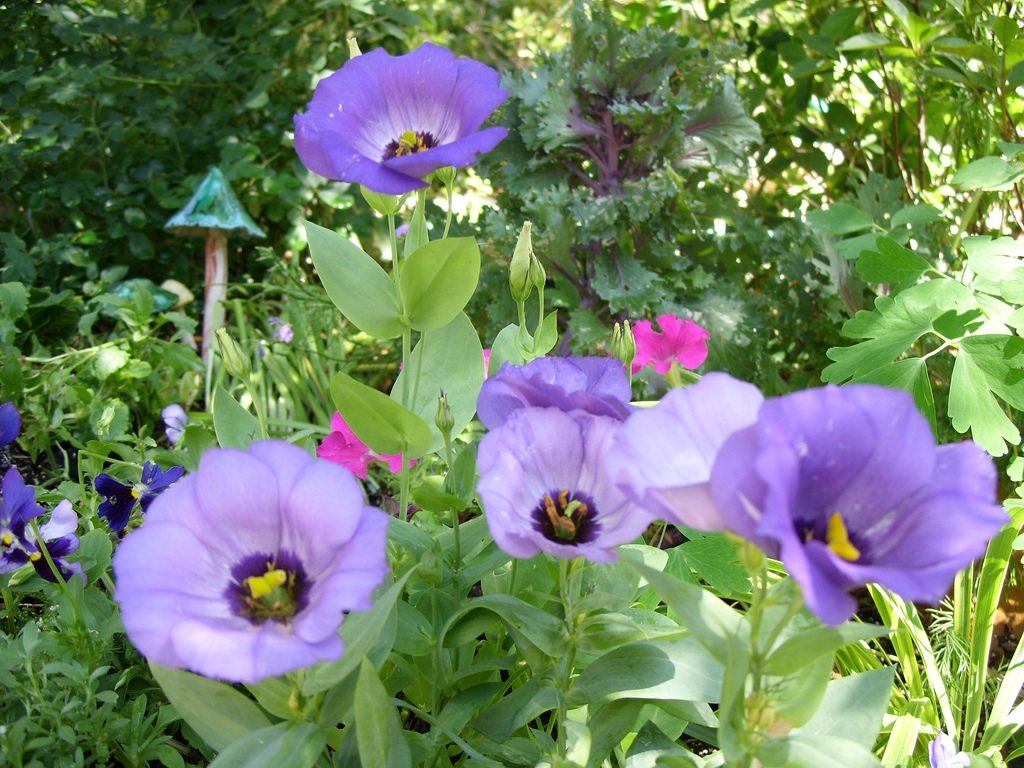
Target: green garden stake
214,212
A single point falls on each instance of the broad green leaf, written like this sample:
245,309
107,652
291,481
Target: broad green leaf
987,366
438,280
709,618
821,640
109,360
840,219
358,285
797,696
517,708
910,375
798,751
383,424
504,349
528,625
379,734
285,745
993,174
217,712
891,263
13,300
234,425
893,326
680,669
863,41
449,359
853,708
914,215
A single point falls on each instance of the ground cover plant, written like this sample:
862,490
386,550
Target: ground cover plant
616,385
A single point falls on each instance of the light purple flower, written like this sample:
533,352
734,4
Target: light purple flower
847,487
597,385
544,488
664,454
176,420
942,753
10,424
282,330
387,122
244,569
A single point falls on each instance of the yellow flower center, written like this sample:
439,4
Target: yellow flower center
839,539
272,595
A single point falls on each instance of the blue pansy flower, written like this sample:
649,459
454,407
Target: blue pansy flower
120,499
18,542
10,424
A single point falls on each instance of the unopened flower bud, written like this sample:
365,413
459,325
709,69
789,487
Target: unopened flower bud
538,276
236,362
353,48
623,343
444,419
445,175
386,205
520,269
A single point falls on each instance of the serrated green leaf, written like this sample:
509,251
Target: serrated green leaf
384,424
891,263
713,557
438,280
987,366
234,425
359,287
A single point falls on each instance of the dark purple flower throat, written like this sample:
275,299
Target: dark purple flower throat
409,143
268,588
566,517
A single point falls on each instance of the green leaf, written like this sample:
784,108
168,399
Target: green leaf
803,647
840,219
680,669
217,712
713,557
438,280
914,215
449,359
992,174
514,710
797,751
987,366
892,263
109,360
379,734
358,285
863,41
383,424
893,326
504,349
234,425
13,300
710,620
853,708
284,745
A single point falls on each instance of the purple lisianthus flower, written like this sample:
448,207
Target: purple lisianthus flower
10,424
942,753
119,499
18,542
387,122
847,487
664,454
597,385
544,487
282,330
176,420
244,569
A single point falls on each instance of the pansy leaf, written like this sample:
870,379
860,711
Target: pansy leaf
449,359
217,712
891,263
284,745
987,367
438,280
358,285
234,425
385,425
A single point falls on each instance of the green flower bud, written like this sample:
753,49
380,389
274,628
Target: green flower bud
236,362
353,48
444,419
520,269
386,205
623,344
445,175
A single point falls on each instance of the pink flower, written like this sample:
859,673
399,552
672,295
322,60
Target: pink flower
487,363
681,341
343,447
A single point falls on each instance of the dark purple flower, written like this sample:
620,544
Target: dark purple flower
119,499
544,488
18,542
597,385
10,424
387,122
664,454
245,568
847,487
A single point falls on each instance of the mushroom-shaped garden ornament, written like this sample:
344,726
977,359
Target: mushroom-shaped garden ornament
214,212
